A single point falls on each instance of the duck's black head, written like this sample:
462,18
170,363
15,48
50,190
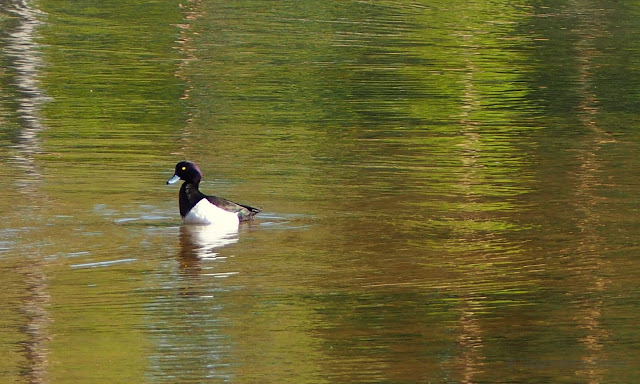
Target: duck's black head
187,171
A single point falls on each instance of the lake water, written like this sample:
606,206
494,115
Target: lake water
450,191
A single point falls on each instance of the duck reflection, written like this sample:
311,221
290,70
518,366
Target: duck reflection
200,242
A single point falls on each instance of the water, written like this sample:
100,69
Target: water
449,191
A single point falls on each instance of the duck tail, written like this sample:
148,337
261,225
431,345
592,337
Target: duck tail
252,211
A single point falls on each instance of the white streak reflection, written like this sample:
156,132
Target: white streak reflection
22,49
201,242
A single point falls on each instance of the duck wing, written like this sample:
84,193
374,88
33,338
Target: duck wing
244,212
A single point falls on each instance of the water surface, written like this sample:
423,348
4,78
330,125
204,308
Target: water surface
449,192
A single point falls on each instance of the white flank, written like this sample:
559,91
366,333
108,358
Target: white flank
205,213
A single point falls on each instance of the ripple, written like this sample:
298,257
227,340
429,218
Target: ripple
99,264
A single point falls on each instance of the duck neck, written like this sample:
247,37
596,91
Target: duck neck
190,195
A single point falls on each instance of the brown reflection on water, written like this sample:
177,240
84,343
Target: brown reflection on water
38,319
469,360
592,266
191,11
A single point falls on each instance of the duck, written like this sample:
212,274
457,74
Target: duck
201,209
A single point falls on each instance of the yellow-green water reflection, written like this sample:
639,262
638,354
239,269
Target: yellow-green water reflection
448,188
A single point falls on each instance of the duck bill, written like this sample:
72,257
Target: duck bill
174,179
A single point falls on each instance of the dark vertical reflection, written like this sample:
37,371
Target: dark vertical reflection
35,310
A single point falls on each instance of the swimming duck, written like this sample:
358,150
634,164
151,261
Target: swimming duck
198,208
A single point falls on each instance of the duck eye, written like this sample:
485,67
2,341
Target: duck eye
184,168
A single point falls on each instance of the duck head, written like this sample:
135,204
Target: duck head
186,171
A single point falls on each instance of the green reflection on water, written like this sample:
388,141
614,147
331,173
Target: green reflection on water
111,75
455,168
